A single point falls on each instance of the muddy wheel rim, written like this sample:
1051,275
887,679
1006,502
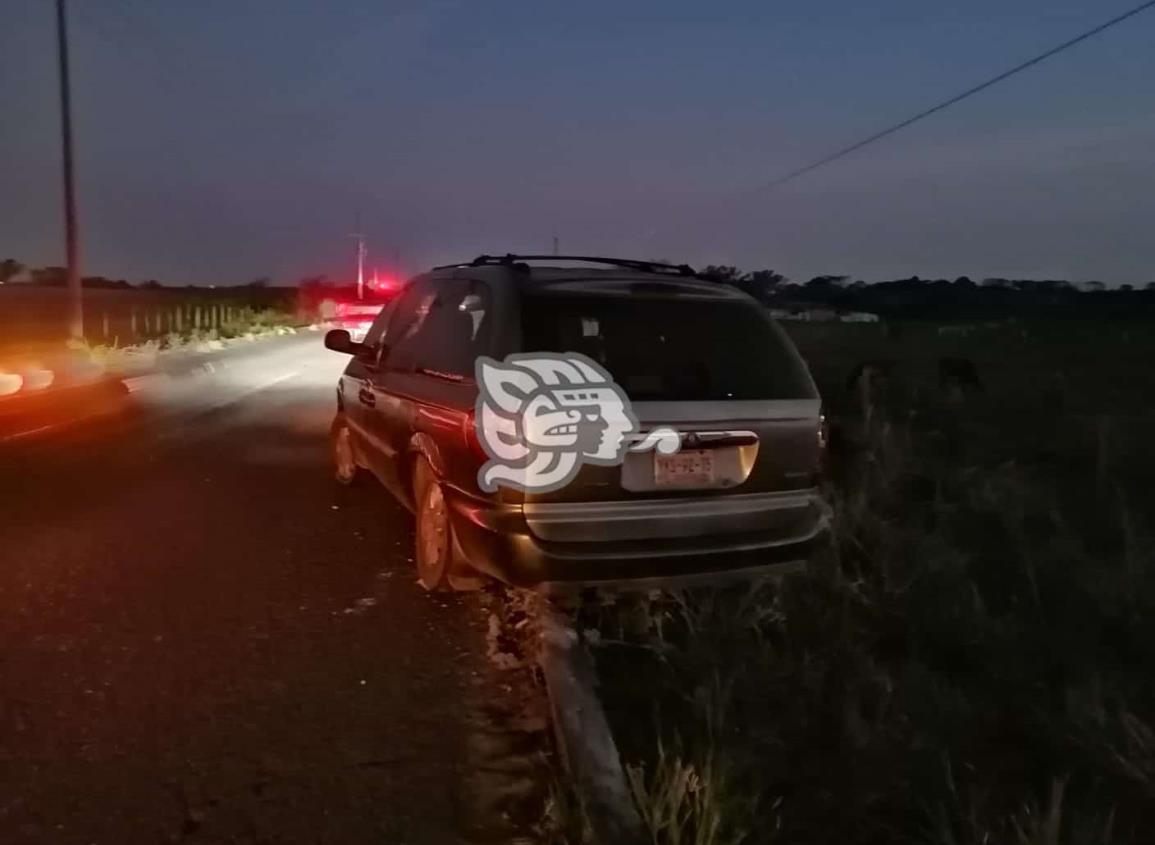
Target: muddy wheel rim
343,454
432,534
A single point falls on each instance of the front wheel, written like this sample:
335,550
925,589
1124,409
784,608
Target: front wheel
434,539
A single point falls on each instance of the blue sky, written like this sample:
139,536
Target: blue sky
226,139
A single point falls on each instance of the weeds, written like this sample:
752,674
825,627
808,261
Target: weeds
565,821
972,662
686,804
114,356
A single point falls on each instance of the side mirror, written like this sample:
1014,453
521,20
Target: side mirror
339,340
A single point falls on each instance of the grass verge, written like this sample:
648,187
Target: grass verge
972,661
247,325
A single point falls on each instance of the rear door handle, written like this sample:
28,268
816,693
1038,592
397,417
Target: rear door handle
366,396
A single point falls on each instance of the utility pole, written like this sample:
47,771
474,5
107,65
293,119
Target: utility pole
555,252
361,253
71,237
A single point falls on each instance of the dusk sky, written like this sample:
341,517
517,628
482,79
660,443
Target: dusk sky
221,140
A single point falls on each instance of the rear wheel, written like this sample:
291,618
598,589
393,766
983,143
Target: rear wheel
345,468
434,539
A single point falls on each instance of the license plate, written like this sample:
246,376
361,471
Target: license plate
688,468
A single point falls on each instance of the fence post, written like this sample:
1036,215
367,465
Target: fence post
133,322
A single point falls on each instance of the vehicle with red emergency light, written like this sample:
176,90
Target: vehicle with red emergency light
356,314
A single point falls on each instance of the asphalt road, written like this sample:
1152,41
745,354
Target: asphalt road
204,639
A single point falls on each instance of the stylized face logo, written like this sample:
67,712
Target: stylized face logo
540,416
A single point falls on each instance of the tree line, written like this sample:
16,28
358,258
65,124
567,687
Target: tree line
911,297
961,297
57,277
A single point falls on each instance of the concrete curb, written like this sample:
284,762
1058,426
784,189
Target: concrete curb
582,733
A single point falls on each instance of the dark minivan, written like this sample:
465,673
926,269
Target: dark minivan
691,354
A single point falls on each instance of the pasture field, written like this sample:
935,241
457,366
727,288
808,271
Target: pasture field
973,661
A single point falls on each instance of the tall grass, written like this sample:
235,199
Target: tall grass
250,323
973,661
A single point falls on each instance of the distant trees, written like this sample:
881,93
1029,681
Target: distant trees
910,298
10,268
56,277
917,298
761,284
826,282
50,277
722,272
103,282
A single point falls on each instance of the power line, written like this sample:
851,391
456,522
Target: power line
968,93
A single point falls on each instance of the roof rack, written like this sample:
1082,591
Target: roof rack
511,260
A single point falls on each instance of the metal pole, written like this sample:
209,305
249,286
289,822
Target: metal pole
71,237
360,266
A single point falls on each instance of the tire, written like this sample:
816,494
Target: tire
433,534
346,471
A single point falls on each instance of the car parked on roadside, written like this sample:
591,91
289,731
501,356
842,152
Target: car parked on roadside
739,498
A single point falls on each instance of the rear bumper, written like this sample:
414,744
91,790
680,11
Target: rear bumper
497,540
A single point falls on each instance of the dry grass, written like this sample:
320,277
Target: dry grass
972,662
114,356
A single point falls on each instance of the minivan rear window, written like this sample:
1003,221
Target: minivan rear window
671,349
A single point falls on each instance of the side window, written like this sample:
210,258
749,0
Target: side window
377,330
459,331
407,323
450,328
